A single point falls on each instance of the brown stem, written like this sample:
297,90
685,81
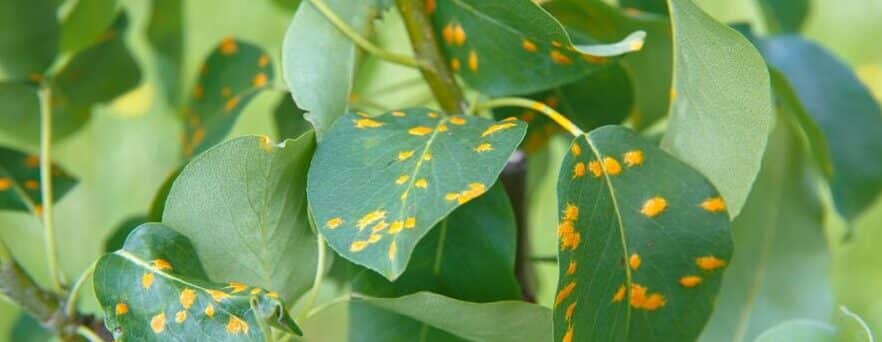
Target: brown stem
514,178
433,64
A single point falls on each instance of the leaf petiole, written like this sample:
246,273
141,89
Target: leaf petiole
558,118
73,296
46,185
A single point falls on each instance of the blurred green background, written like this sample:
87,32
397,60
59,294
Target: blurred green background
129,147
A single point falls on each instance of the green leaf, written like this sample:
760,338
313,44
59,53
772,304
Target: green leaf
20,181
846,112
289,5
154,289
251,197
231,76
117,238
515,47
643,240
456,320
804,330
649,68
26,328
28,38
779,242
289,119
792,109
85,22
408,170
319,84
784,16
604,97
157,205
165,34
652,6
721,114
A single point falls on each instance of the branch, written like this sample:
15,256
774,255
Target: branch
46,186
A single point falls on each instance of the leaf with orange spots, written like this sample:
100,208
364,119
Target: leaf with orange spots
365,163
20,181
243,205
179,299
229,78
643,224
515,47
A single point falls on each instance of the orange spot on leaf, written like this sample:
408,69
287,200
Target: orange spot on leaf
528,45
558,58
228,46
157,323
633,158
367,123
334,223
497,127
121,309
564,293
420,130
634,261
187,298
690,281
709,263
714,205
654,206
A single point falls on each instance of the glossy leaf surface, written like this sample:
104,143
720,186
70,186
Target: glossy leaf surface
408,170
515,47
643,242
721,114
154,289
20,181
243,205
234,72
28,38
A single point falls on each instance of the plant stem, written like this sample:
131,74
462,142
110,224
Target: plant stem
87,333
46,185
363,43
425,45
534,105
317,282
72,297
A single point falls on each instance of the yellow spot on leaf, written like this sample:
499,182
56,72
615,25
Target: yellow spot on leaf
420,130
393,249
379,227
611,166
399,114
38,209
121,309
528,45
403,155
427,156
571,268
209,310
633,158
459,35
497,127
619,295
5,184
672,95
559,58
442,128
455,65
576,150
578,170
218,296
432,115
421,183
484,147
187,298
147,280
474,190
556,43
636,45
571,212
709,263
564,292
473,60
32,161
690,281
228,46
236,325
231,103
429,7
396,226
634,261
263,61
255,291
358,246
570,310
157,323
367,123
447,33
31,184
640,299
161,264
568,236
272,294
654,206
369,218
181,316
595,168
458,120
198,92
568,336
334,223
259,80
410,222
714,205
401,179
237,287
451,196
374,238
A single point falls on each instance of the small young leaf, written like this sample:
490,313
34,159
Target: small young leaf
721,113
28,38
87,20
154,289
243,204
165,33
656,228
20,181
233,73
515,47
407,170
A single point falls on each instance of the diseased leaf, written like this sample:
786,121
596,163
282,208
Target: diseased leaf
804,330
408,170
85,22
243,205
649,68
28,38
721,114
784,16
515,47
20,182
779,242
319,84
845,111
289,119
643,242
154,289
229,78
165,34
604,97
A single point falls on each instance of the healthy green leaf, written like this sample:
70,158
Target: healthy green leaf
85,22
515,47
157,205
117,238
789,105
231,76
455,320
803,330
165,33
779,242
649,68
656,237
604,97
319,84
154,289
20,182
846,112
289,5
652,6
784,16
408,170
28,38
289,119
721,114
243,204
